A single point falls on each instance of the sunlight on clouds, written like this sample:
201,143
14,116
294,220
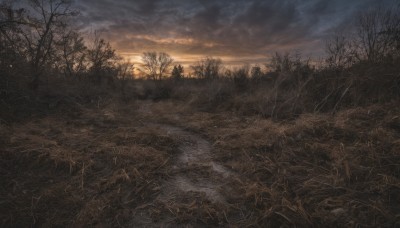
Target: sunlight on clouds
174,40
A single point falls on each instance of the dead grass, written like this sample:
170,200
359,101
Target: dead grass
86,171
316,170
106,166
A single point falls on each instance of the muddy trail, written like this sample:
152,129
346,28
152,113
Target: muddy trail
193,175
194,169
193,181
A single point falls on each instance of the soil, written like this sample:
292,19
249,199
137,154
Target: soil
194,154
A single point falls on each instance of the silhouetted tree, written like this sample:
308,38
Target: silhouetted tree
10,19
340,52
101,58
44,28
281,63
208,68
73,54
241,77
289,63
228,73
156,65
177,72
125,72
256,72
125,69
378,34
12,46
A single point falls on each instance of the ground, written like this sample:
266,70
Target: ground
152,164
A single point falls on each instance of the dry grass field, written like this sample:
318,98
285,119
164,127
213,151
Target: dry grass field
165,163
266,113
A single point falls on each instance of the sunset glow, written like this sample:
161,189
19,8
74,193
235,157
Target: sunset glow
238,32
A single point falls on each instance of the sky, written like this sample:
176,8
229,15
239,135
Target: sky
237,31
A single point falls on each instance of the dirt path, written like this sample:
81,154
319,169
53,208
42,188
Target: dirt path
194,175
194,169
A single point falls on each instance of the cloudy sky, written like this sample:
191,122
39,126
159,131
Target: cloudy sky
238,31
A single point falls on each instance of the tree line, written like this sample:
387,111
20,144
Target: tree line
40,40
373,41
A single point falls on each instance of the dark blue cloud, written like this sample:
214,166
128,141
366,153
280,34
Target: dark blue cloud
221,27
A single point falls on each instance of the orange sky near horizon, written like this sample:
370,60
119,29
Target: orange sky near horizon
239,32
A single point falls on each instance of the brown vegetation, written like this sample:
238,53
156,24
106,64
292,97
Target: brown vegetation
107,165
301,144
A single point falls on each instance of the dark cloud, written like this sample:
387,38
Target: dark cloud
244,29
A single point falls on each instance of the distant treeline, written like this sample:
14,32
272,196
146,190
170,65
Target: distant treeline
39,43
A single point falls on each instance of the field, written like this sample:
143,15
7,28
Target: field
266,113
175,162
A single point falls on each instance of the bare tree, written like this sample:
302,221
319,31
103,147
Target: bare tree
125,72
73,53
101,58
10,19
241,77
256,72
282,62
33,33
156,65
378,34
125,69
290,62
46,25
11,45
341,52
207,68
177,72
